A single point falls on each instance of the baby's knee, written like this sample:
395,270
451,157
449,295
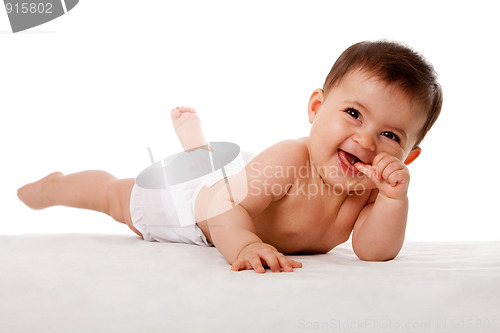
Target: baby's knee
118,199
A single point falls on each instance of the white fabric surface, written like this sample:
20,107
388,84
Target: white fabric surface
114,283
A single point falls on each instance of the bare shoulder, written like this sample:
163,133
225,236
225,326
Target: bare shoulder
271,172
285,153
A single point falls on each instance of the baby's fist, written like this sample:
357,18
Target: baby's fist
389,174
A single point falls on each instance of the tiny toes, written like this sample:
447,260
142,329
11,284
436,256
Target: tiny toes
175,113
183,109
180,110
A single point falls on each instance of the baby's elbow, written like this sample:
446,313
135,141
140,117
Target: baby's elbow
375,258
375,255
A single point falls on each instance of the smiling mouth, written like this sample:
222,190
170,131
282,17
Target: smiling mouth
347,161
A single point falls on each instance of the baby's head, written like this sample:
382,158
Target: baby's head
396,65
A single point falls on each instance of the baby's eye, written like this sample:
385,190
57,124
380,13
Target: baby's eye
390,135
353,113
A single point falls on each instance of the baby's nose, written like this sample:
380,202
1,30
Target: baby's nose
365,140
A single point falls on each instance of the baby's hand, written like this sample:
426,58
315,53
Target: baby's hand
254,255
389,174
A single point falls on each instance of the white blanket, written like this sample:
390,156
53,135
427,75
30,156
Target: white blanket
110,283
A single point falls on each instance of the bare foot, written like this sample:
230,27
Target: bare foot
187,125
35,195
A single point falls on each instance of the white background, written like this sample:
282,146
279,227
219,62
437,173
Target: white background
93,89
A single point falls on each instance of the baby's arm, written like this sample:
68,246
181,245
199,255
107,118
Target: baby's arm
230,217
379,231
233,233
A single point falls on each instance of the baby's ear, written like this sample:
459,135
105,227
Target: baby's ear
315,102
414,153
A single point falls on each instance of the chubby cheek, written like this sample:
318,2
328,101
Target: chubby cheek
399,154
326,131
324,147
391,148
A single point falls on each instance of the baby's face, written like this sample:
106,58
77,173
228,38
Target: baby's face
358,119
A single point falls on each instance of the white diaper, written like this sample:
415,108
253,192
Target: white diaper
153,214
167,214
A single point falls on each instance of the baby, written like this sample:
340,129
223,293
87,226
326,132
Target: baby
305,195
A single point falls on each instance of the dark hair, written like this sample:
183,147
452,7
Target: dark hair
397,64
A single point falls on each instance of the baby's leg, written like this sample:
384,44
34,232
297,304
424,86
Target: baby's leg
187,125
94,190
